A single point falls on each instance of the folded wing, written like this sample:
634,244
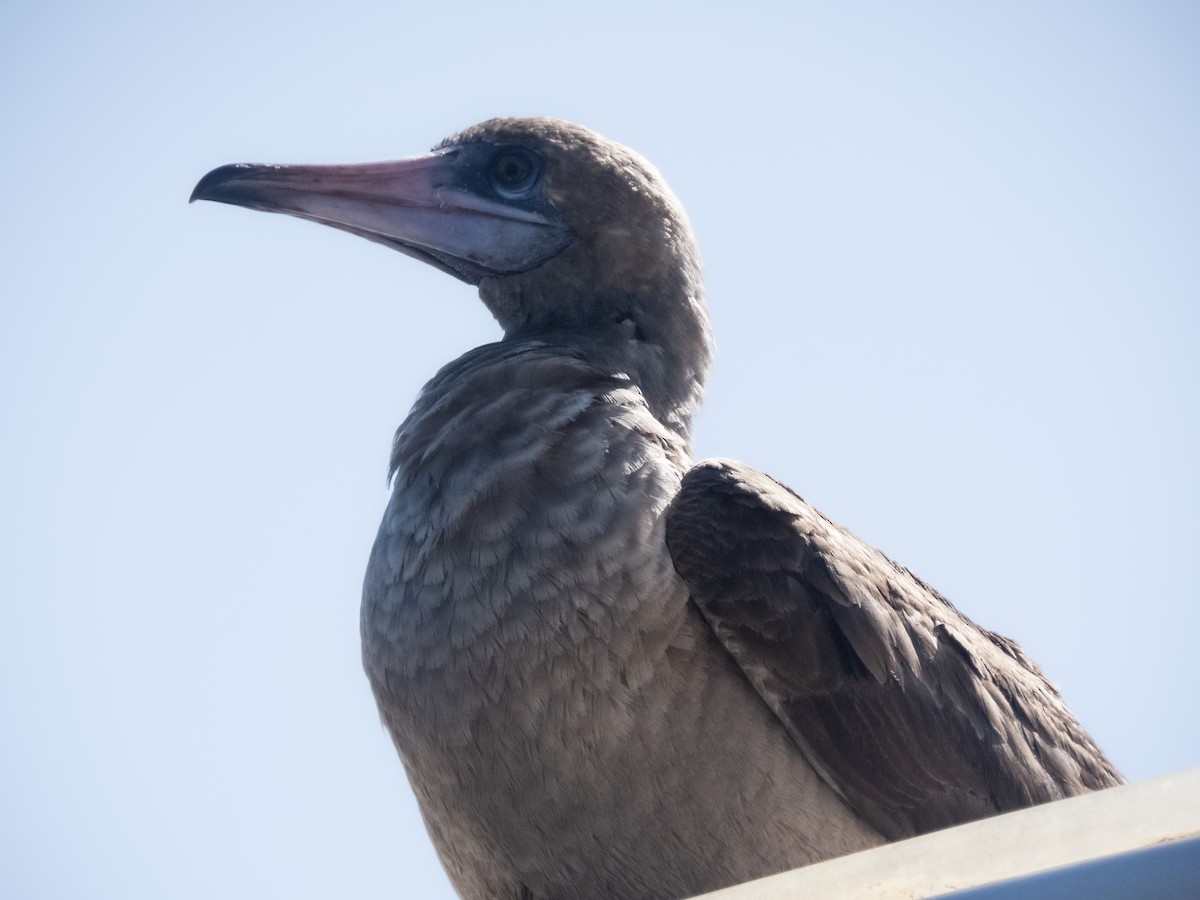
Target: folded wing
917,716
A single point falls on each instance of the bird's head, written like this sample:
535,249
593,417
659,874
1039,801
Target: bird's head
565,233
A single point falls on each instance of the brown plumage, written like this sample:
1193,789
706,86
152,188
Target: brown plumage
610,673
919,717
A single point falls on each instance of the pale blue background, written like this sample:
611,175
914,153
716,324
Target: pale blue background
953,255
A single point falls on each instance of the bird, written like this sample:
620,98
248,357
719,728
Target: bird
611,671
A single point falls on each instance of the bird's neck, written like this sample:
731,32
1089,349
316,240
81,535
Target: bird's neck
657,337
671,383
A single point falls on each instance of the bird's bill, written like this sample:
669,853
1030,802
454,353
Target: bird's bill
408,204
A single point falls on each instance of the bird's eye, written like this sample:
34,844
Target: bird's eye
515,171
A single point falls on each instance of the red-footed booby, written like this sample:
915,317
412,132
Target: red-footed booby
611,673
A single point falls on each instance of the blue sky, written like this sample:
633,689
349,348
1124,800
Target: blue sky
953,271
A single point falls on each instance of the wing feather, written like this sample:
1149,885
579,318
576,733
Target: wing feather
917,716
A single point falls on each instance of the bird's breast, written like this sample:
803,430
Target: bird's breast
563,711
520,573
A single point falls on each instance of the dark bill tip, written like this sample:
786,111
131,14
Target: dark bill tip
218,184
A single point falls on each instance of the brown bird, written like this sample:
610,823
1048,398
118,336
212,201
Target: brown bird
610,672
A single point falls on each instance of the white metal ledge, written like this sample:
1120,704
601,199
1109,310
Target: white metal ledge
1094,846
